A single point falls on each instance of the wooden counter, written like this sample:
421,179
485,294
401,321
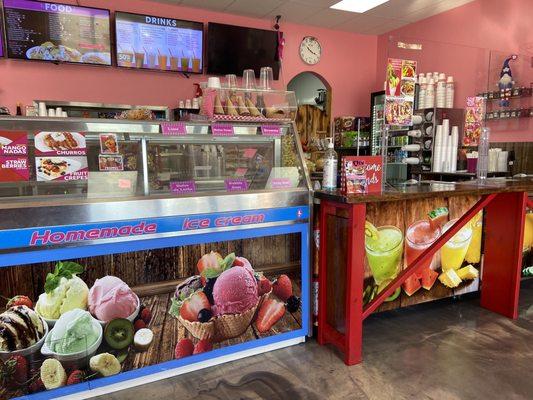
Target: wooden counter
431,189
345,273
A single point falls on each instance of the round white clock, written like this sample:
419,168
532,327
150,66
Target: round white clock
310,50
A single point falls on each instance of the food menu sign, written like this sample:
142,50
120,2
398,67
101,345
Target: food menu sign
166,44
14,157
400,92
57,32
474,113
361,174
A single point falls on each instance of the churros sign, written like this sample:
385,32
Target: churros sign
44,237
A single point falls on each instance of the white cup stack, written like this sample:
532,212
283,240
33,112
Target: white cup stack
440,98
437,150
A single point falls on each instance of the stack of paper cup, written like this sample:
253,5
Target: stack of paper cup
450,92
503,157
446,146
455,146
213,82
42,109
440,99
437,150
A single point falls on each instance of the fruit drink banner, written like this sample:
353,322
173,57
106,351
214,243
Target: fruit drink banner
396,234
400,92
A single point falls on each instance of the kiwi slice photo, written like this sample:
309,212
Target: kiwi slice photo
119,333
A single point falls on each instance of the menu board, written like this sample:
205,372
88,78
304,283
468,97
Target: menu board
165,44
57,32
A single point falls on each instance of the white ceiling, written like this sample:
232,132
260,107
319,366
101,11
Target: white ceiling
384,18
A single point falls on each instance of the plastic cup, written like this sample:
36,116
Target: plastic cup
174,63
266,77
385,253
231,81
248,79
151,60
419,237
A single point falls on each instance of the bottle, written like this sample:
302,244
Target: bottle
329,180
441,91
483,154
19,108
449,92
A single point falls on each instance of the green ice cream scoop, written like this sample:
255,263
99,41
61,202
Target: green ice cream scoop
74,332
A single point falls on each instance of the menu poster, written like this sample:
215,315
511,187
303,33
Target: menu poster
474,113
14,169
362,174
108,143
60,144
61,168
399,92
13,143
166,44
57,32
111,162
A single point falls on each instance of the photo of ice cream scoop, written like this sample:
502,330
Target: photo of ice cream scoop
64,291
20,328
235,291
111,298
76,331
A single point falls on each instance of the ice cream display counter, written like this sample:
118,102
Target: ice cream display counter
132,251
410,244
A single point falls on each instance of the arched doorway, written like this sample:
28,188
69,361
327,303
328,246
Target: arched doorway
313,118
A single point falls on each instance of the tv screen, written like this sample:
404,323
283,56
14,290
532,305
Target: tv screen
232,49
57,32
159,43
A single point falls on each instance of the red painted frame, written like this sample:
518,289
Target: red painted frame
502,263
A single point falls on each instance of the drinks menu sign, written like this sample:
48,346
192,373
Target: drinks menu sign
166,44
14,157
57,32
400,92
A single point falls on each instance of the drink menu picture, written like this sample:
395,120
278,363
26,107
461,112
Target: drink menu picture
57,32
397,236
159,43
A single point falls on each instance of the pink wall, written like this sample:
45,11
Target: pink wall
348,64
458,42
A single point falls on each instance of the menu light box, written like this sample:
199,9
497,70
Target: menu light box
158,43
57,32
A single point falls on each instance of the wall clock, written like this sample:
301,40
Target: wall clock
310,50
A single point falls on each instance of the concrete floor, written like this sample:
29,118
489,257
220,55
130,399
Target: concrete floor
447,350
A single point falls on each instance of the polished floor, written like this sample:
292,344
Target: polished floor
448,350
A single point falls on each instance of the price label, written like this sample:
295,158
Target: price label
222,130
173,128
271,130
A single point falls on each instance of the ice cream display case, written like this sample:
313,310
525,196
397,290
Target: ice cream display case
131,251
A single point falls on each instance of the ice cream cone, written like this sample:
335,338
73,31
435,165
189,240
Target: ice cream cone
241,107
253,109
218,106
230,109
200,330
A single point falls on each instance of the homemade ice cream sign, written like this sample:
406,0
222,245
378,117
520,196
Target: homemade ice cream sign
399,92
126,230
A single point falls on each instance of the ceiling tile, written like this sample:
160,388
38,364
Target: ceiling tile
361,23
215,5
253,8
294,11
328,18
398,8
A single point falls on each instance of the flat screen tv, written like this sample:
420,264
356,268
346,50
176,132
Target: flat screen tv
57,32
232,49
159,43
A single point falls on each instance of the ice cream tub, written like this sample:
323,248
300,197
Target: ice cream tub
74,339
28,351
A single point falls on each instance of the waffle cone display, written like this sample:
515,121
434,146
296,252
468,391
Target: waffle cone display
230,108
200,330
218,106
252,108
241,107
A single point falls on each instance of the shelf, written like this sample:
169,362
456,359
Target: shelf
352,148
496,95
508,119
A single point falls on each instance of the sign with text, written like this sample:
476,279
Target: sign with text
271,130
219,129
361,174
13,143
176,128
180,187
236,184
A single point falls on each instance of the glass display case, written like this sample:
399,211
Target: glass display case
194,222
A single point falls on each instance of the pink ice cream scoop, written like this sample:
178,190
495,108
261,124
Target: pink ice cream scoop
245,263
235,291
111,298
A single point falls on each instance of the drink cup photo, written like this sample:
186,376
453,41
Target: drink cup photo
139,59
196,65
185,63
453,253
162,61
151,60
419,236
384,253
174,61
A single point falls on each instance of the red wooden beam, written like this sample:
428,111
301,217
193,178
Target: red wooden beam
529,203
417,264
